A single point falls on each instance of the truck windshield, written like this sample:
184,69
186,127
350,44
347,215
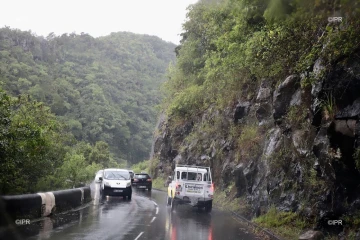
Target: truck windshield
194,176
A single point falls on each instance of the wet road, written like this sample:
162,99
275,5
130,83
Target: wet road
146,216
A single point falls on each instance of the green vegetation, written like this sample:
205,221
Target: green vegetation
329,107
249,142
73,104
280,159
30,139
317,184
141,167
39,153
158,183
286,224
104,89
226,200
229,45
153,163
296,116
228,48
353,220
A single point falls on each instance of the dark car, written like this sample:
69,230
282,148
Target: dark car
142,180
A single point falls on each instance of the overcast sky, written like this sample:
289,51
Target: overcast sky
162,18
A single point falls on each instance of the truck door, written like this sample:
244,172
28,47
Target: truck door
194,187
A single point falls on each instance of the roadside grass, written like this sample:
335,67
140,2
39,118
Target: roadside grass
225,200
288,225
329,106
158,183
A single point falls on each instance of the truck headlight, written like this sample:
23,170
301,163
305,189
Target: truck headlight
107,184
128,184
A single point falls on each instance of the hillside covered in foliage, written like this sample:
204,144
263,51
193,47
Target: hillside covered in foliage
267,93
73,104
104,89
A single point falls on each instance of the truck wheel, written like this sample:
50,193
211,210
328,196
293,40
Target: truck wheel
208,207
173,204
129,197
168,200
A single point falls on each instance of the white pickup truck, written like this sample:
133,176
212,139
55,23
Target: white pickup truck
191,185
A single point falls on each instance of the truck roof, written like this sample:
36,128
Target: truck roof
191,169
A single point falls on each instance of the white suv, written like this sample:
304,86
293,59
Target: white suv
191,185
116,182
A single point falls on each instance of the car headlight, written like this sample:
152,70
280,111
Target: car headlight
128,184
107,184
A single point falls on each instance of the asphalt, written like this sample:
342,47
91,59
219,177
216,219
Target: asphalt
146,216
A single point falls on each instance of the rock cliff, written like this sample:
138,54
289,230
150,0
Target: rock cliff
290,145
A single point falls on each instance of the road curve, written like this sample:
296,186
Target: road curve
146,216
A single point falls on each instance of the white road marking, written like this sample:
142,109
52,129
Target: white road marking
154,203
157,210
139,236
152,220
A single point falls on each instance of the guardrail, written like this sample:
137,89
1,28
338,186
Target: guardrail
37,205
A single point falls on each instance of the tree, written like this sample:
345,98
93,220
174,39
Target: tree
32,143
100,154
93,85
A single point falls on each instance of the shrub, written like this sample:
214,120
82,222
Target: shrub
296,116
286,224
329,107
187,102
248,144
141,166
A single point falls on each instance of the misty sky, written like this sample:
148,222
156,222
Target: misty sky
162,18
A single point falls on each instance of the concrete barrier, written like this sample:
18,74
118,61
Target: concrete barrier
67,199
87,194
32,206
26,206
48,203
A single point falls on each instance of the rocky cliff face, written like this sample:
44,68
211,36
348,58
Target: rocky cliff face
292,146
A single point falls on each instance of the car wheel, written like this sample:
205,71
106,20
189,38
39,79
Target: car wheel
103,193
208,207
129,197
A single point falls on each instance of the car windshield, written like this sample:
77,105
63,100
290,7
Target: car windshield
116,175
142,176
